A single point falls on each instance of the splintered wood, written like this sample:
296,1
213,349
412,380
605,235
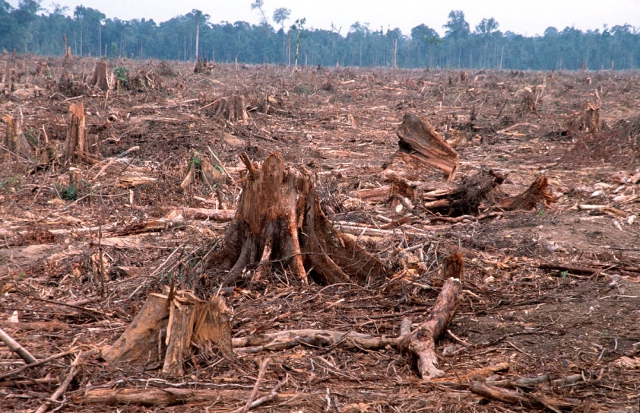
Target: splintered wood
422,147
169,330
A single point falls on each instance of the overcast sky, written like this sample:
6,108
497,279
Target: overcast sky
523,17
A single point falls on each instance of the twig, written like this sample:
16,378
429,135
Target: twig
43,361
15,346
221,165
271,396
63,387
112,160
263,368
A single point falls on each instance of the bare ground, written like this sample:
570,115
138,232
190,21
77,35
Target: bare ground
579,328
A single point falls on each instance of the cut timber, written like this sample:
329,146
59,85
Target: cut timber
100,77
278,219
421,342
15,140
78,145
537,193
421,146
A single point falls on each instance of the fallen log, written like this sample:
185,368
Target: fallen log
279,219
173,396
176,218
421,342
531,400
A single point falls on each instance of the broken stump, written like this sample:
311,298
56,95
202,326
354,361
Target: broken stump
278,219
422,147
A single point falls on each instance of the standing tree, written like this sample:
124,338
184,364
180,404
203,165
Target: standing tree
456,27
299,32
258,4
281,15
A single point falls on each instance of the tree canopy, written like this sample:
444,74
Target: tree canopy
28,28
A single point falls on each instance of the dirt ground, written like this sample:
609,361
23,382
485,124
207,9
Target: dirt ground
73,273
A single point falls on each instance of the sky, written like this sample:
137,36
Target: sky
528,18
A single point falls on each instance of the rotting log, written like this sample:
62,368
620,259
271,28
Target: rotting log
421,341
279,219
467,197
100,78
422,147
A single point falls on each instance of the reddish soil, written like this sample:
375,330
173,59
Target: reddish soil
581,329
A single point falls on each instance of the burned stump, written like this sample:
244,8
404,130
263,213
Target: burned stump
279,220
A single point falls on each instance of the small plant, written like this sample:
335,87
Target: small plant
122,77
11,184
564,274
67,193
541,213
32,136
195,162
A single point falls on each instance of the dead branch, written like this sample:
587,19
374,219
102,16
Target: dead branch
15,346
421,342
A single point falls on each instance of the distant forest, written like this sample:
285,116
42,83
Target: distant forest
30,29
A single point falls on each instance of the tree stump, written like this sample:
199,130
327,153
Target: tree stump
278,219
15,140
422,147
78,144
100,77
231,108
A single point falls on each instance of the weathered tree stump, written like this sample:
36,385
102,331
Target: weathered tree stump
422,147
278,219
78,144
168,330
537,193
15,140
100,78
231,108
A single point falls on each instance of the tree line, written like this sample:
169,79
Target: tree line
30,29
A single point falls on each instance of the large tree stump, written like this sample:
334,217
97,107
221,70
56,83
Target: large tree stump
278,219
100,77
422,147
